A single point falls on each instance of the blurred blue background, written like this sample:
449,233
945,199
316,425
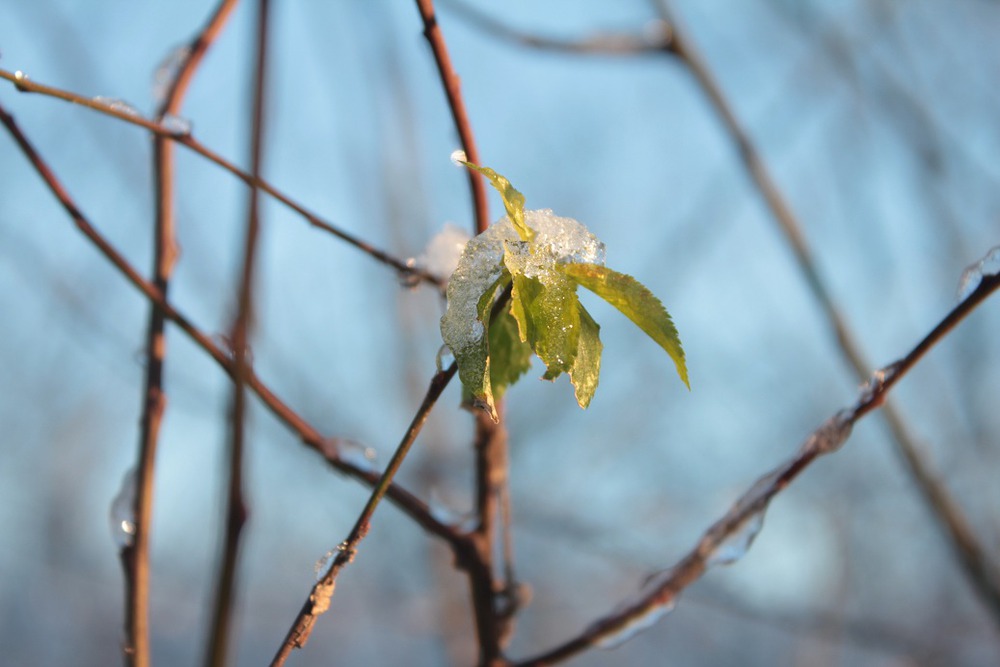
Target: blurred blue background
878,120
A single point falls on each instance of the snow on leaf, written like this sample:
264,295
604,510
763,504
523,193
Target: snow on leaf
636,302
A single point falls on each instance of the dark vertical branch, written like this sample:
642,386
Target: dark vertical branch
135,556
490,439
971,555
239,337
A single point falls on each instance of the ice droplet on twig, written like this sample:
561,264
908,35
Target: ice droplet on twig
323,565
120,106
635,625
831,435
973,274
357,455
166,72
738,542
123,511
458,157
444,355
176,125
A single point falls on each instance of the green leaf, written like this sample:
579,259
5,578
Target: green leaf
548,319
473,356
510,357
636,302
587,365
513,200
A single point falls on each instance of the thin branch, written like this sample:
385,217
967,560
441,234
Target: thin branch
729,537
969,552
185,138
453,90
493,624
322,591
948,515
465,554
236,510
655,39
135,556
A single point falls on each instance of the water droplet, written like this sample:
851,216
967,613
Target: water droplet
123,511
445,513
458,157
973,274
831,435
323,565
635,625
19,78
117,105
738,542
166,72
176,125
356,455
444,355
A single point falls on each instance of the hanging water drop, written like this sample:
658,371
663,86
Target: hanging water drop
176,125
444,356
123,511
635,625
357,455
166,72
973,274
117,105
738,542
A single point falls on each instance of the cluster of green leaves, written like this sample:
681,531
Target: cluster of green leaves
520,294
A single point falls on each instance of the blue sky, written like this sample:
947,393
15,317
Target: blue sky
877,121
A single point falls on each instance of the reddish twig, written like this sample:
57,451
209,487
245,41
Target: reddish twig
453,90
186,139
971,555
727,539
466,555
236,510
135,555
322,591
493,623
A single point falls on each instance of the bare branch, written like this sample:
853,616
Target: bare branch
321,593
135,556
185,138
729,537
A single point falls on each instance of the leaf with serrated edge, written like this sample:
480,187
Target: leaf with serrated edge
548,318
587,366
636,302
513,200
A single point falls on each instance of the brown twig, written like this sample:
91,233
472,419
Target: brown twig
135,555
654,40
948,515
493,623
971,555
465,554
453,90
322,591
737,528
186,139
236,509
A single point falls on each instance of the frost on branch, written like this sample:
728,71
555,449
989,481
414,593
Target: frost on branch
541,259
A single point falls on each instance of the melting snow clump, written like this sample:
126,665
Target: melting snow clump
557,241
